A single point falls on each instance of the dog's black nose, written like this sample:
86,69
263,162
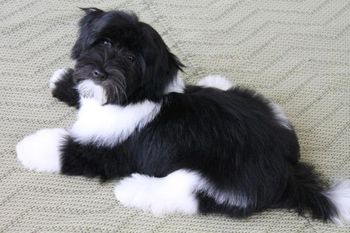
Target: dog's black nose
99,74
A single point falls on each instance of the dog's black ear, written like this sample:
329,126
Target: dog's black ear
85,30
162,65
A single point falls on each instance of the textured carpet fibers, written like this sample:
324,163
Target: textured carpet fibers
296,52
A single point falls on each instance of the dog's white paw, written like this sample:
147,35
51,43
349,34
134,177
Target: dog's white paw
170,194
216,81
41,150
57,76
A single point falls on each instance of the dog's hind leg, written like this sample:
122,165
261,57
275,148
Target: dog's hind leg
182,191
175,192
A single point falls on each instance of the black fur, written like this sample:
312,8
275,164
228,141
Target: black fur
65,90
131,47
230,137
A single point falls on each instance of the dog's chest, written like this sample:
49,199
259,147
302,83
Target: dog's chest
109,125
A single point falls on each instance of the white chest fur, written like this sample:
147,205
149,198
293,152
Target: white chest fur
109,125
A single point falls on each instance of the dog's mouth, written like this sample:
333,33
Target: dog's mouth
88,89
107,86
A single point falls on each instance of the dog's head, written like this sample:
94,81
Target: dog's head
122,59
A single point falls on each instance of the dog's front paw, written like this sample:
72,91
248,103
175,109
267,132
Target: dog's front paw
57,76
41,150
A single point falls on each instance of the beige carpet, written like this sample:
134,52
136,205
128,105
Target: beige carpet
294,51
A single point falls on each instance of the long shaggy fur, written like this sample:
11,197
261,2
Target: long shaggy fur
208,148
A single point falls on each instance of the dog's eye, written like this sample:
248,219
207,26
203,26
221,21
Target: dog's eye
131,58
107,43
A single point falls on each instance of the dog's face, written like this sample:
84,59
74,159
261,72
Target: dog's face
122,57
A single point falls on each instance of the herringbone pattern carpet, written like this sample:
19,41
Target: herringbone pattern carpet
294,51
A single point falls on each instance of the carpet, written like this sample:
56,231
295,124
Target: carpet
295,52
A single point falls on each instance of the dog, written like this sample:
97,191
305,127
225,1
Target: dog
213,147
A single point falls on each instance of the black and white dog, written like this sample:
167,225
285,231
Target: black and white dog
209,148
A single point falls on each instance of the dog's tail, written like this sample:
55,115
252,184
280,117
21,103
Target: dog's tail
305,191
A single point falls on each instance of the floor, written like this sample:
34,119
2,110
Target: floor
296,52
